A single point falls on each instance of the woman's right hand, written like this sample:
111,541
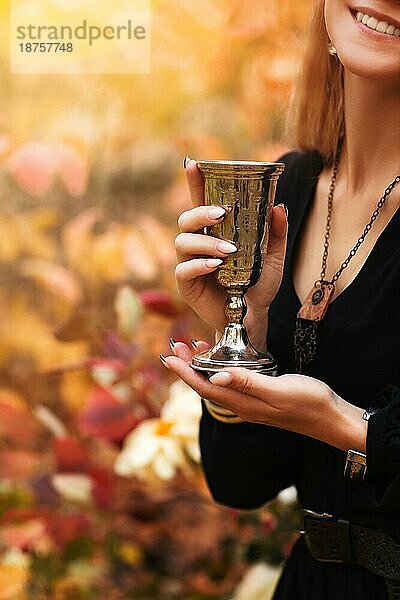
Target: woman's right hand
199,255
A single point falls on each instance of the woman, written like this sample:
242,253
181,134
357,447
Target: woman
298,428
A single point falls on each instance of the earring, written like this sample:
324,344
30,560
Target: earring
331,49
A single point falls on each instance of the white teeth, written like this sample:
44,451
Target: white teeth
372,23
382,27
376,25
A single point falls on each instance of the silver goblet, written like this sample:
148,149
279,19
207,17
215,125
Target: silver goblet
246,189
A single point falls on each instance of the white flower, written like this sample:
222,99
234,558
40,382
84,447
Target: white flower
258,583
183,403
183,409
157,448
150,450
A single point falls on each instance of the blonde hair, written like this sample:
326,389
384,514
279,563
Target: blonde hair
316,115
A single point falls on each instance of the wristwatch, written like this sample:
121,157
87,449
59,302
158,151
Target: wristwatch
356,461
356,465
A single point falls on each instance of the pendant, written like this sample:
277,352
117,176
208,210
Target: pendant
317,301
308,318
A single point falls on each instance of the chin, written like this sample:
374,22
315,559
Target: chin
368,64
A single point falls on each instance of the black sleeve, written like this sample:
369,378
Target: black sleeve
247,464
383,434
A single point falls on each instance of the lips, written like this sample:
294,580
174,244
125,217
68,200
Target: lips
377,22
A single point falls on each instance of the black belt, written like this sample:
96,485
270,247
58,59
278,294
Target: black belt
337,541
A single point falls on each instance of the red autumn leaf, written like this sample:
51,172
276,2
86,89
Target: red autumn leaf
71,454
63,528
102,490
114,347
19,515
105,416
160,302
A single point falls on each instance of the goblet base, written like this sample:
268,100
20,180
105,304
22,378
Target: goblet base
234,349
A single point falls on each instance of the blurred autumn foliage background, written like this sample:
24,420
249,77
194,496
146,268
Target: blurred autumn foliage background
101,494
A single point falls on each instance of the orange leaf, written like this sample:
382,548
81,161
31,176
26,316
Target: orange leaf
17,424
77,234
19,464
12,582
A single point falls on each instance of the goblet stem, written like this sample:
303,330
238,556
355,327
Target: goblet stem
235,305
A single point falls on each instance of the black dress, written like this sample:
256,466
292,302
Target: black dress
358,356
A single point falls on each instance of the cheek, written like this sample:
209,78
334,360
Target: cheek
336,14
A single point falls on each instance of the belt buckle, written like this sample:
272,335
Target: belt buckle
315,515
312,546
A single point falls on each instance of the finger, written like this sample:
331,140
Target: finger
195,244
247,382
200,346
225,397
199,217
278,232
195,182
183,351
188,270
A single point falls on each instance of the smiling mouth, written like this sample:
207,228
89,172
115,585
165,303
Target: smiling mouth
376,25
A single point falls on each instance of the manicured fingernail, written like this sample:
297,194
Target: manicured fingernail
172,342
185,161
211,263
164,361
216,212
285,207
226,247
194,343
223,378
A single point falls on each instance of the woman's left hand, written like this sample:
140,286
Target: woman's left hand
295,402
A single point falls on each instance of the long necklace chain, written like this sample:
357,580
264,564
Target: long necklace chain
367,229
317,302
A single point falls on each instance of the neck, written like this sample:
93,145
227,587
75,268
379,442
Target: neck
372,143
